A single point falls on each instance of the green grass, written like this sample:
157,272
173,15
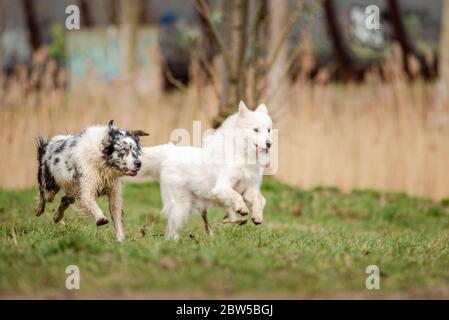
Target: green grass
315,242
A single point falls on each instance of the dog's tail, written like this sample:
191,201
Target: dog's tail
41,144
152,159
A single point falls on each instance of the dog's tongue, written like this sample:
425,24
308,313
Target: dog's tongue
259,149
131,173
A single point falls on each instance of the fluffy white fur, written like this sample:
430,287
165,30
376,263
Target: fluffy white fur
226,172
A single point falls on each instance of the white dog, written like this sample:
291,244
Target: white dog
87,166
225,172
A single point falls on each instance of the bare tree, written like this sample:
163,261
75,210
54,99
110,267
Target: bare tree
112,12
257,48
235,18
31,24
237,37
414,62
131,13
400,33
278,51
2,27
444,51
342,53
86,17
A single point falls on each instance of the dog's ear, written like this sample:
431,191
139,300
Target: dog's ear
243,109
108,137
262,108
136,134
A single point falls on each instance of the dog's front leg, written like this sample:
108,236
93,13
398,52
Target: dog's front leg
89,203
115,207
229,197
257,202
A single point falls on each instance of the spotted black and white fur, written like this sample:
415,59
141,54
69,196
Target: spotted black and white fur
85,167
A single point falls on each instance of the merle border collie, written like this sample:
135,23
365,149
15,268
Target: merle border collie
85,167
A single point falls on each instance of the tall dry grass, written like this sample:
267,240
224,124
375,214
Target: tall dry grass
383,135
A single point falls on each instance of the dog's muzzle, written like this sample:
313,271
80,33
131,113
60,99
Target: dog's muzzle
268,145
133,172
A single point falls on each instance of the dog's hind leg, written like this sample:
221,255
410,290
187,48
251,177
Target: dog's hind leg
177,218
176,207
206,223
44,197
40,205
177,215
66,201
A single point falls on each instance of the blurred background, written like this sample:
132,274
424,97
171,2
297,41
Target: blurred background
355,107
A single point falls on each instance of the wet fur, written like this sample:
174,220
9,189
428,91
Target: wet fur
85,167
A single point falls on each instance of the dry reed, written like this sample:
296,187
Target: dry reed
383,135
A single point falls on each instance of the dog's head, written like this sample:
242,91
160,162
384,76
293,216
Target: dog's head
121,149
256,126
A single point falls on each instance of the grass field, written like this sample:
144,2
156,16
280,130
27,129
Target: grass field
312,244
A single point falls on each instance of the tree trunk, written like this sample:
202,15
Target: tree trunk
342,54
31,24
112,12
131,12
444,51
86,17
257,45
235,20
400,33
2,27
279,15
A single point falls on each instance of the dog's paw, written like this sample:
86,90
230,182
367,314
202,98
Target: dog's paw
257,220
39,210
240,222
102,221
242,209
173,237
58,218
120,237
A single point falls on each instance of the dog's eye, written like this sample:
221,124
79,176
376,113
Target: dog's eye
269,130
256,130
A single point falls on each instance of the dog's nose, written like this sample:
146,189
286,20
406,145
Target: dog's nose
138,163
268,143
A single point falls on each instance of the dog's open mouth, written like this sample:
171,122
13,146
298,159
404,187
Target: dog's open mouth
262,150
131,173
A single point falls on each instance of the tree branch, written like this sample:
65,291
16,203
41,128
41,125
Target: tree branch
285,33
295,53
256,49
209,70
203,10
